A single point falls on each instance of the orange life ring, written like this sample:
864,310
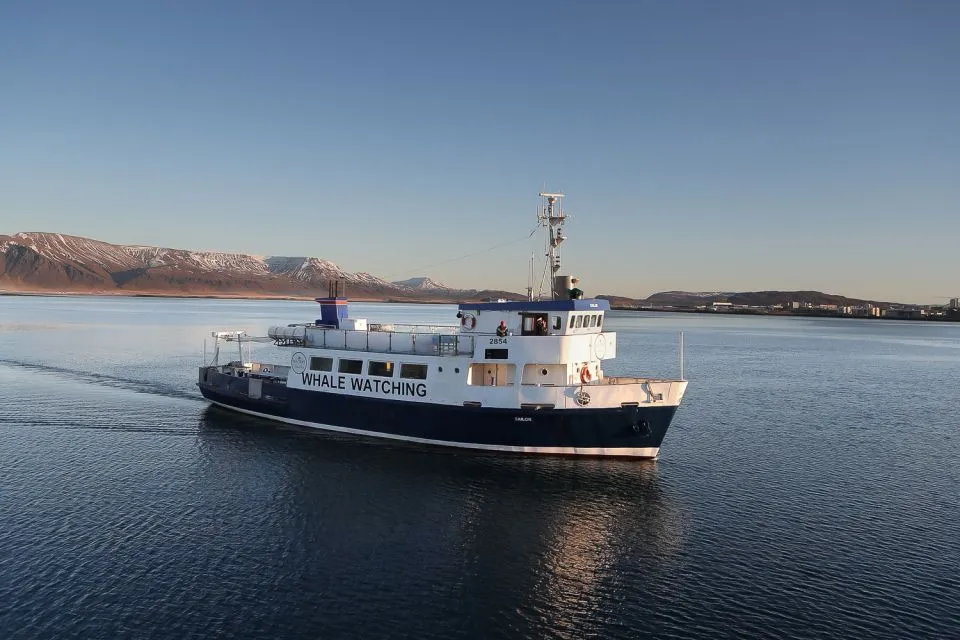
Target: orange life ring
585,375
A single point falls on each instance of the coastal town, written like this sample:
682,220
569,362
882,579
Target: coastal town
949,312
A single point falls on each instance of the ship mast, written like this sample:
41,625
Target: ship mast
552,217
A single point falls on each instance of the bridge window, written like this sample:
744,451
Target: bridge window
557,323
381,369
351,366
319,363
593,319
577,321
600,320
534,324
413,371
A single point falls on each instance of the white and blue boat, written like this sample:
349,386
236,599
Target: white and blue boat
522,376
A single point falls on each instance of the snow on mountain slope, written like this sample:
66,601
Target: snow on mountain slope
62,248
207,260
49,260
422,283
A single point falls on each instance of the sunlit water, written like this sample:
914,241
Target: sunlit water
809,487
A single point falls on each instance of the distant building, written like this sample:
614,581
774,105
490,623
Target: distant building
955,303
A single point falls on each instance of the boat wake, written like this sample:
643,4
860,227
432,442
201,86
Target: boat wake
103,379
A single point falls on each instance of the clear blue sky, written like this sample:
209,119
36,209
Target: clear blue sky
703,145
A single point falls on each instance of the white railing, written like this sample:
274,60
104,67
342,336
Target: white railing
414,342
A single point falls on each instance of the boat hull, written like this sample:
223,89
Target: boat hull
631,431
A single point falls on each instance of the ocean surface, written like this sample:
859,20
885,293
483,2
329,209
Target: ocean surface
809,487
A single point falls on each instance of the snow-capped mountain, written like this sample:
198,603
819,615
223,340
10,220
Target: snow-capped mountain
422,283
57,262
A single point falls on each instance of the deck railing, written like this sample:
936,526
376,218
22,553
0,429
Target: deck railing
415,339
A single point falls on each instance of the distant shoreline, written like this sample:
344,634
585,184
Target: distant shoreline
787,314
808,313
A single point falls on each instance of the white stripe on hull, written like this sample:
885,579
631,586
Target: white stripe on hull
632,452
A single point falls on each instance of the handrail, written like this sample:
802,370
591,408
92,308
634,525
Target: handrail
440,344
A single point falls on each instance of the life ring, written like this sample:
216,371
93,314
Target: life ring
468,318
585,375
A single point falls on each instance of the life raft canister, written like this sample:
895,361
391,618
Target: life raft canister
585,375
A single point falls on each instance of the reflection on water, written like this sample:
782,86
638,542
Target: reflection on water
546,535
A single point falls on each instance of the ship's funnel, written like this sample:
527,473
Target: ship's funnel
333,308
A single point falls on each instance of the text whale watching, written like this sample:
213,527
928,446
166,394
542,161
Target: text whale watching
525,377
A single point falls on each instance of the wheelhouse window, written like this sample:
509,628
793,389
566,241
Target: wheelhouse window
320,363
413,371
600,320
577,321
557,323
593,319
534,324
381,369
350,366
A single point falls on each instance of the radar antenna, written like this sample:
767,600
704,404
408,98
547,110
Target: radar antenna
552,217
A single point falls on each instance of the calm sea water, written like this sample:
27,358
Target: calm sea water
809,487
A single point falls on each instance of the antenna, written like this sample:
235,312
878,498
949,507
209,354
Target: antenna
552,217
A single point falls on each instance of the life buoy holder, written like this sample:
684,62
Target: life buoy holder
585,375
468,319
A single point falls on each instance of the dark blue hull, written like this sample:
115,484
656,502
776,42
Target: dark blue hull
628,431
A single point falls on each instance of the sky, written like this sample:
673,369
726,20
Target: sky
703,146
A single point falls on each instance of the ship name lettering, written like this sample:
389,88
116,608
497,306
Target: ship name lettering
325,380
389,387
366,385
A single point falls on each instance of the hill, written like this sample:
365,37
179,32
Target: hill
688,299
42,262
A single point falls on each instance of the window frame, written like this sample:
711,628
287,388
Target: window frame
404,366
342,361
388,366
315,359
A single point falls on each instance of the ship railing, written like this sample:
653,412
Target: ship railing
618,380
393,327
428,343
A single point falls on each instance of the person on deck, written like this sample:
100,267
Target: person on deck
540,327
502,329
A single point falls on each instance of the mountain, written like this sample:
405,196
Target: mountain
691,299
53,262
422,283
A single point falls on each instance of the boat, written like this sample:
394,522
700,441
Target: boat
523,376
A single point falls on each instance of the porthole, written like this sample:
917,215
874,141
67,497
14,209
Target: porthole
440,369
543,372
456,370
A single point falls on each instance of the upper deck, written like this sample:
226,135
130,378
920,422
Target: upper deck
534,318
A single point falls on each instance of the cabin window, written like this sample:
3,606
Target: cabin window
413,371
534,324
351,366
496,354
557,323
593,319
381,369
320,363
577,321
600,320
